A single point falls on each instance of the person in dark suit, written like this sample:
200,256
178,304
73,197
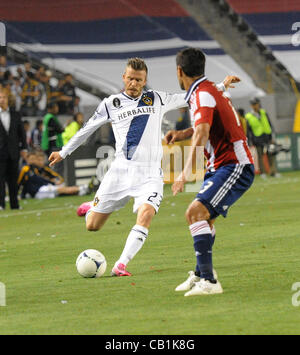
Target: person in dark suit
12,145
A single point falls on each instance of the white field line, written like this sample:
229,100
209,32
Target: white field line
34,211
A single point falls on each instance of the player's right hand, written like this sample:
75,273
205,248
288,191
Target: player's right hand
54,158
170,137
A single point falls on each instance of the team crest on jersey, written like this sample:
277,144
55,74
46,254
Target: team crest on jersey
116,102
96,201
147,100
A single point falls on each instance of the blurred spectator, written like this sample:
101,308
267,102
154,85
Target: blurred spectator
36,134
183,120
262,135
16,90
39,72
46,93
77,106
67,96
57,90
39,181
23,71
73,127
52,130
30,90
7,77
12,145
31,95
26,126
3,63
3,67
11,97
52,134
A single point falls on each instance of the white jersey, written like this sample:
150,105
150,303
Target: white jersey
136,123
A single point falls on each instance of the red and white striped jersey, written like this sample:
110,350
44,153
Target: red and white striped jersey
227,142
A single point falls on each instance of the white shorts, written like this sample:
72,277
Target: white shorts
123,182
47,191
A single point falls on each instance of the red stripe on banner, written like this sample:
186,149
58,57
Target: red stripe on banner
86,10
259,6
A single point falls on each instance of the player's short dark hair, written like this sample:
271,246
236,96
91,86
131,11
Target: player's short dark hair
192,61
137,64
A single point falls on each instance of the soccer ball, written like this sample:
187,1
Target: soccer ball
91,263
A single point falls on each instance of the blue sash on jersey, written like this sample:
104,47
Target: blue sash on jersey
137,126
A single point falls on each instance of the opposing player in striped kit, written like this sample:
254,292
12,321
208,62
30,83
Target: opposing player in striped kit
230,170
136,117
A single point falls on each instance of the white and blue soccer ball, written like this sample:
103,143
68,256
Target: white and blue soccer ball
91,263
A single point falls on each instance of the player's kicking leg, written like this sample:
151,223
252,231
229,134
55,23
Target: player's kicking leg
135,239
95,220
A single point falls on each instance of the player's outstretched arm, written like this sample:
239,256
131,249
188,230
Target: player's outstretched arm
200,138
55,158
175,136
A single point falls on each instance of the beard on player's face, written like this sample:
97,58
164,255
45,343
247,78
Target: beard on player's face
134,81
133,91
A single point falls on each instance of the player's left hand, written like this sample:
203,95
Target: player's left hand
229,80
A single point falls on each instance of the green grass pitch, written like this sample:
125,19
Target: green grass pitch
256,255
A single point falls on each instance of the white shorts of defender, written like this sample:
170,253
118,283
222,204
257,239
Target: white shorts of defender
47,191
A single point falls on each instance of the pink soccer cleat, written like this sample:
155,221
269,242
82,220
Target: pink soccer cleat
83,208
120,270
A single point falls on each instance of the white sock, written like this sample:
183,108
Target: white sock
134,243
86,215
83,189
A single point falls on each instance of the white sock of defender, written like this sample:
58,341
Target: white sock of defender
134,243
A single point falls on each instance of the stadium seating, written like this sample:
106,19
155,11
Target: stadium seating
99,38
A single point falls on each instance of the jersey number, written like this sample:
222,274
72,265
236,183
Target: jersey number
155,198
206,187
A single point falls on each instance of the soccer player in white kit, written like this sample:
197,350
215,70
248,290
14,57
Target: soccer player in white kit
136,116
